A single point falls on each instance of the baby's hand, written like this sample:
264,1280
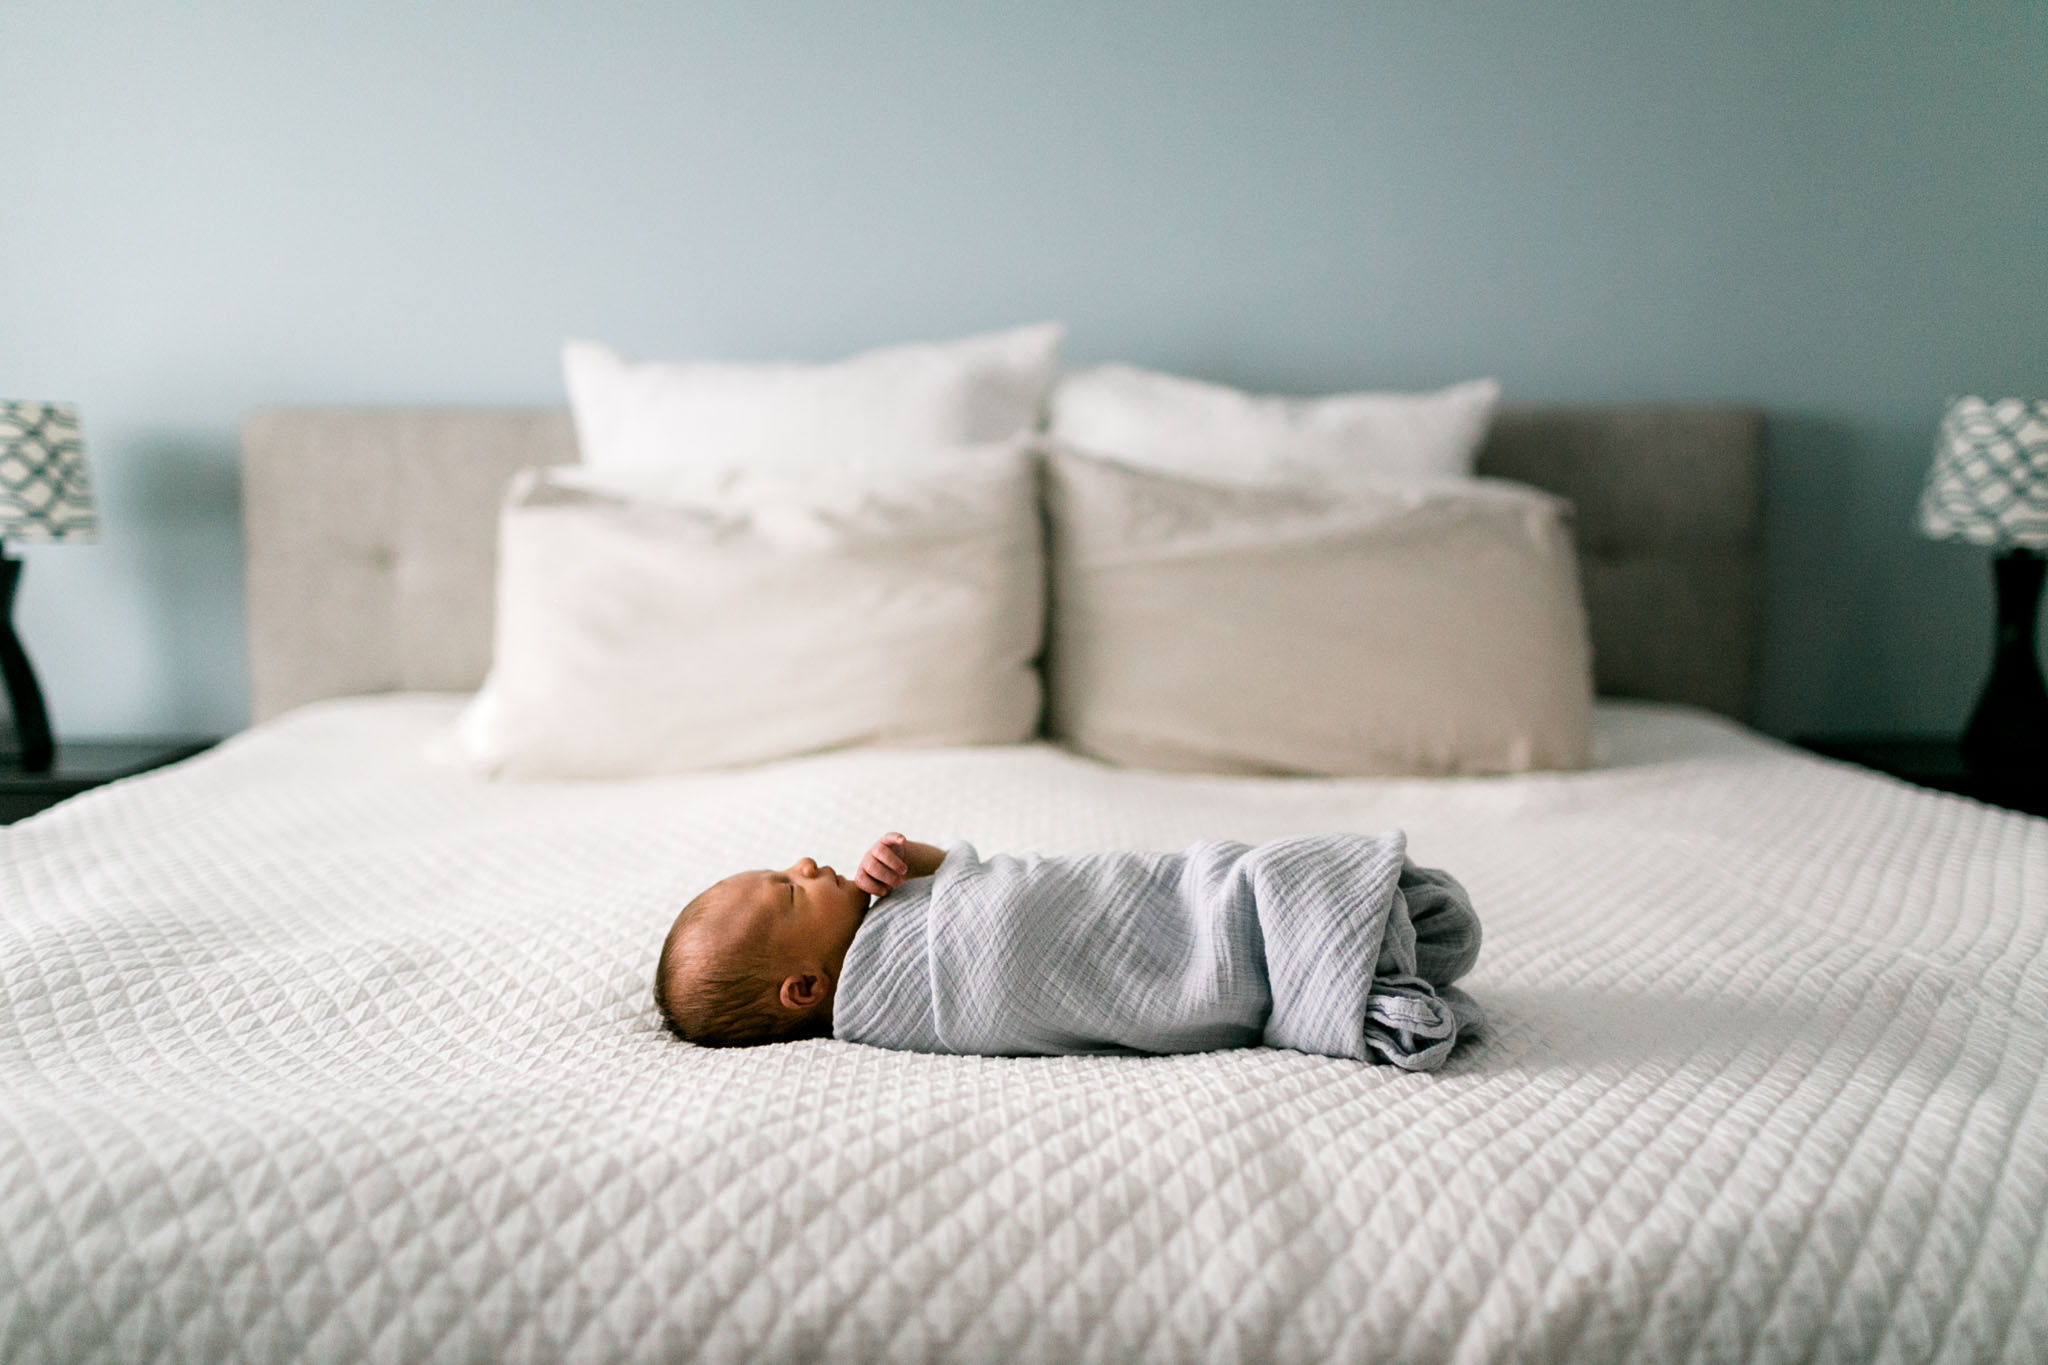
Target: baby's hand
882,868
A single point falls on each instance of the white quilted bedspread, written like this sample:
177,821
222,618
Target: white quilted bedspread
312,1049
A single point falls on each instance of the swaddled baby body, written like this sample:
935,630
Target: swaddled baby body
1331,944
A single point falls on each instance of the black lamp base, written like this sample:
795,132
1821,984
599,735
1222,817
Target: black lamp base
24,697
2008,731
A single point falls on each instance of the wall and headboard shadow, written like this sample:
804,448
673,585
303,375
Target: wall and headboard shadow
1821,211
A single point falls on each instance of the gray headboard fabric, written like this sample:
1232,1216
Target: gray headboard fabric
371,541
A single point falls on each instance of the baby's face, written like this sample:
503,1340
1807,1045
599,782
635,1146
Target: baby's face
809,912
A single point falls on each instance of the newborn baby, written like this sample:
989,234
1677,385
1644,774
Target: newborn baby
1333,944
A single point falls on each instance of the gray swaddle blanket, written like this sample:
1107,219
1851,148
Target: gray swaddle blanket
1328,943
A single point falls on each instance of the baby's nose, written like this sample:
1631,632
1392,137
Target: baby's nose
807,867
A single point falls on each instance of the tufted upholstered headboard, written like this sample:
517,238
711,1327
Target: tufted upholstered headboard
371,541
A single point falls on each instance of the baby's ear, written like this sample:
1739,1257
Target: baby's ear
802,992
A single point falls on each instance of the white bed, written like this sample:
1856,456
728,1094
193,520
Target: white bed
316,1048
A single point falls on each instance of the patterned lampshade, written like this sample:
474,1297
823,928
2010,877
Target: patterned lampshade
44,493
1989,483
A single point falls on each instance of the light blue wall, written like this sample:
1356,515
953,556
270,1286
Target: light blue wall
1835,211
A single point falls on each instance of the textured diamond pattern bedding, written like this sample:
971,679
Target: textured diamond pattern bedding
311,1048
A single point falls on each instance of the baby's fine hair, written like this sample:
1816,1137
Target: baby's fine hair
719,1004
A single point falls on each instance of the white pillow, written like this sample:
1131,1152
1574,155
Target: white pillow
1363,632
1224,435
638,636
868,413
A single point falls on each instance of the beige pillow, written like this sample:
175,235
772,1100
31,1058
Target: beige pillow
639,635
1399,630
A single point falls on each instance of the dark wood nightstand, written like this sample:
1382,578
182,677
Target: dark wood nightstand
83,764
1937,763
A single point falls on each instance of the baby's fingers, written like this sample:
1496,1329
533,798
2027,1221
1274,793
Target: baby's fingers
873,869
888,857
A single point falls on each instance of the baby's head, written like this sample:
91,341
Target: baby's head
756,958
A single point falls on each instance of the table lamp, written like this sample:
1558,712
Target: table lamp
43,496
1989,486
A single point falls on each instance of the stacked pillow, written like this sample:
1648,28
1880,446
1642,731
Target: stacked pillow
755,561
642,633
1404,629
1245,583
760,561
1208,431
867,416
